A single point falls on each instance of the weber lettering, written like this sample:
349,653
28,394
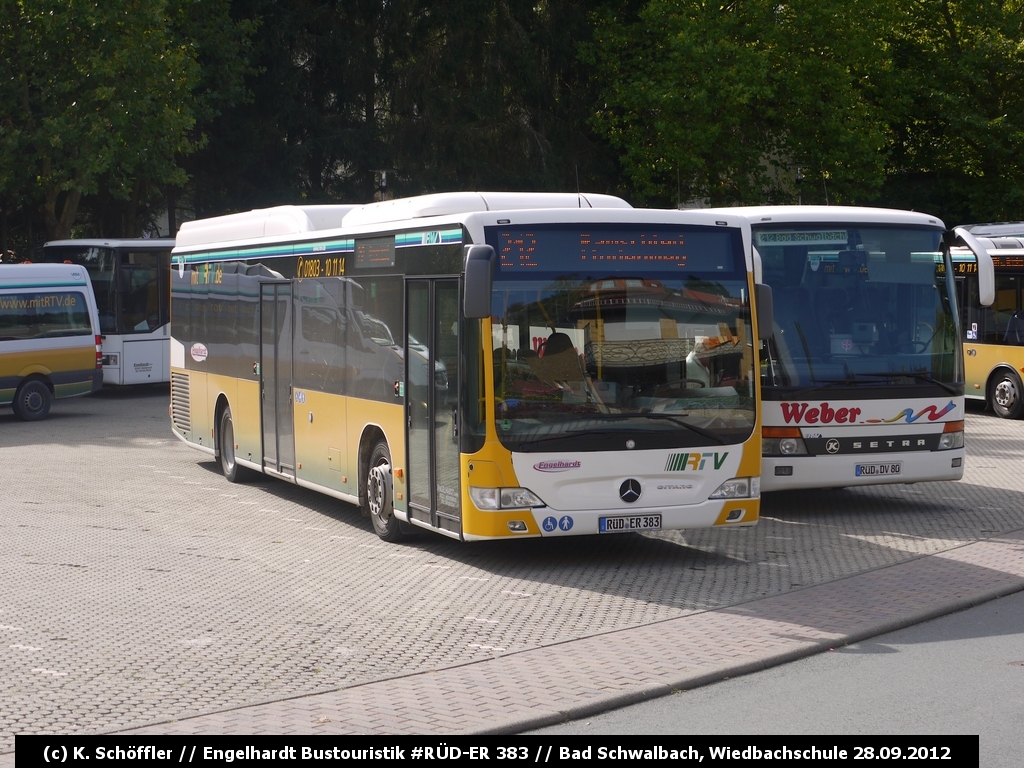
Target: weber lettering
797,413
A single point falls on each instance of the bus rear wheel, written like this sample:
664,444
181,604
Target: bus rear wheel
1007,395
228,463
379,504
32,401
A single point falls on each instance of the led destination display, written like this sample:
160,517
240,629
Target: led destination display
622,248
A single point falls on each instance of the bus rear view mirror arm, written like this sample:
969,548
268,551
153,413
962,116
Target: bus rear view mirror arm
765,310
480,262
986,271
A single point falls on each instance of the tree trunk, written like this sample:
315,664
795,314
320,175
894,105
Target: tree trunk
60,228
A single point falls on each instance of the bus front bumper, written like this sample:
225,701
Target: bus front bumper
787,473
546,521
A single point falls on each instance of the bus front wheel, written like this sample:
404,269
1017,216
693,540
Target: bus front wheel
228,464
379,504
1007,396
32,401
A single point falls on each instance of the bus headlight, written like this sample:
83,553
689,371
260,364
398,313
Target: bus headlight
737,488
782,441
504,498
952,436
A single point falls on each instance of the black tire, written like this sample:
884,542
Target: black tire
379,505
32,401
226,451
1007,395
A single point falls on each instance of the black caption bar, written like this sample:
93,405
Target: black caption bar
560,751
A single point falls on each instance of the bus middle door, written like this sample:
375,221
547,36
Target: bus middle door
276,378
431,350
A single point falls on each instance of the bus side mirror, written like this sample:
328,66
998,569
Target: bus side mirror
986,271
765,311
758,267
480,263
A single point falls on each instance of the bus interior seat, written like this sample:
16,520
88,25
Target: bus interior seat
1015,329
559,363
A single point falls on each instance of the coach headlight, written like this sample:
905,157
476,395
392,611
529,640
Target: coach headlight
782,441
504,498
952,435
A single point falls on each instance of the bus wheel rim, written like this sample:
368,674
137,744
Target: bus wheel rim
228,448
1006,393
377,491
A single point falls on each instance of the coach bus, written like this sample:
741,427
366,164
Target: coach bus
863,375
483,365
131,279
994,335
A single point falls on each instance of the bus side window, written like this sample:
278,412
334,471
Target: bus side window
1002,310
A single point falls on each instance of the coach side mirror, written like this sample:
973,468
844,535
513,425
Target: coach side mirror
986,271
480,262
765,310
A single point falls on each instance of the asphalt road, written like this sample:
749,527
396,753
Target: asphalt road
959,674
140,587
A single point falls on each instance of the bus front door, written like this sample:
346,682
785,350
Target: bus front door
276,378
431,402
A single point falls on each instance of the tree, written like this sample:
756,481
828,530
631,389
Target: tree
87,91
722,102
441,95
957,146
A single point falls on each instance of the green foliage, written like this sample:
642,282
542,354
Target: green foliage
110,111
726,100
90,91
440,95
955,98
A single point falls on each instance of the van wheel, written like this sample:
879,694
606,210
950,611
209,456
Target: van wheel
379,503
33,400
1007,395
228,464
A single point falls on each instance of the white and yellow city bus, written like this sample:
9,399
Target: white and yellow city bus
485,365
862,375
993,334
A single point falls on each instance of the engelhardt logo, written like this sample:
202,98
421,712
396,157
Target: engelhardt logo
822,414
556,466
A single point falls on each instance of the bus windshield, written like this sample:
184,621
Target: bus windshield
858,306
638,340
101,264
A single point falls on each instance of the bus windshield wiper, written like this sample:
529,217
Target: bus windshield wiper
569,435
926,377
825,384
705,433
693,428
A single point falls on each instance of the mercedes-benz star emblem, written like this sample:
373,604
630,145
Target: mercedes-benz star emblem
832,445
630,490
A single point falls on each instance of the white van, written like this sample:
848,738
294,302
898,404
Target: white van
49,336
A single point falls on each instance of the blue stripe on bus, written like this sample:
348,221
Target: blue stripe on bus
273,251
402,240
6,286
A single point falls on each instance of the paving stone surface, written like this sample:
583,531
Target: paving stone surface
140,588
